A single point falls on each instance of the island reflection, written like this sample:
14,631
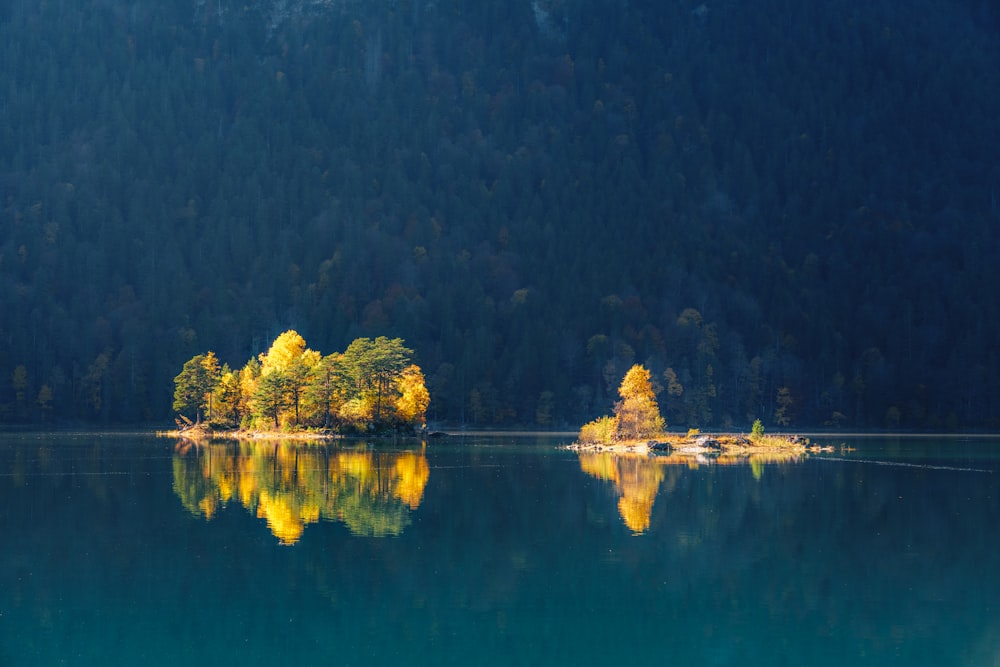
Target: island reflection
637,477
291,485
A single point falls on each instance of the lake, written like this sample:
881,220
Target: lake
125,549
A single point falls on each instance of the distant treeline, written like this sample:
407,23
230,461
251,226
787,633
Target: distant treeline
783,210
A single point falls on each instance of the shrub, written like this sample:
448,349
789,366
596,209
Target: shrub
600,431
757,430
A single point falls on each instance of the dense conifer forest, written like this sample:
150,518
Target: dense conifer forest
784,210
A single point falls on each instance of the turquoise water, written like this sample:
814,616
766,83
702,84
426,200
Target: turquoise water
126,549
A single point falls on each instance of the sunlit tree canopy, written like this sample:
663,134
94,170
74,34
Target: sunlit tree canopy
374,384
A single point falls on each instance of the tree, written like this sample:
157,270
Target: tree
786,405
19,381
637,416
94,384
543,411
249,377
297,377
411,406
637,412
212,375
293,362
285,349
270,397
228,392
191,387
327,388
375,365
45,400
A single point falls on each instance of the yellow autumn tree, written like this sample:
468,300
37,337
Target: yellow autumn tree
248,377
284,373
637,412
411,406
637,415
283,351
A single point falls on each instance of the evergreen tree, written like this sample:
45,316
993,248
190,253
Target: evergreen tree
192,387
271,396
375,365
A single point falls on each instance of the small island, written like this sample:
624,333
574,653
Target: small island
637,427
293,392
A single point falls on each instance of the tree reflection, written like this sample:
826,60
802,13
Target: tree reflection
291,485
637,477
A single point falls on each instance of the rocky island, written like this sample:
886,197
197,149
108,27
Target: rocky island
637,427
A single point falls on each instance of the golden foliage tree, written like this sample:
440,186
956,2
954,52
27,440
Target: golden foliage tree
637,415
637,412
411,406
283,351
284,375
227,406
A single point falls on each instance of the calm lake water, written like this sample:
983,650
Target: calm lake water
127,549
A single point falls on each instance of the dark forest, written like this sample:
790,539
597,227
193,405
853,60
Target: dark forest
784,210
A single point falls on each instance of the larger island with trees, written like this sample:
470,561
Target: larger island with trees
373,386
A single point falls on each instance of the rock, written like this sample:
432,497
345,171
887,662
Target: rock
658,446
708,442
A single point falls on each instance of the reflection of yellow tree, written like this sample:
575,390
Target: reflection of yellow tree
637,480
413,473
639,483
291,485
637,477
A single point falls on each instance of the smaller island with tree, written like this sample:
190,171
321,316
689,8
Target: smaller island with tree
372,387
638,427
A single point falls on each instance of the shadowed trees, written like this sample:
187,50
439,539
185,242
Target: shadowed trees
193,173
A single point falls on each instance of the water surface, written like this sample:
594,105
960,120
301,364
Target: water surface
127,549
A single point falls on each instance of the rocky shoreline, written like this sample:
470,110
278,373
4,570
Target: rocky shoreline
706,445
202,432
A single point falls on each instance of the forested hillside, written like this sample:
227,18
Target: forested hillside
784,210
